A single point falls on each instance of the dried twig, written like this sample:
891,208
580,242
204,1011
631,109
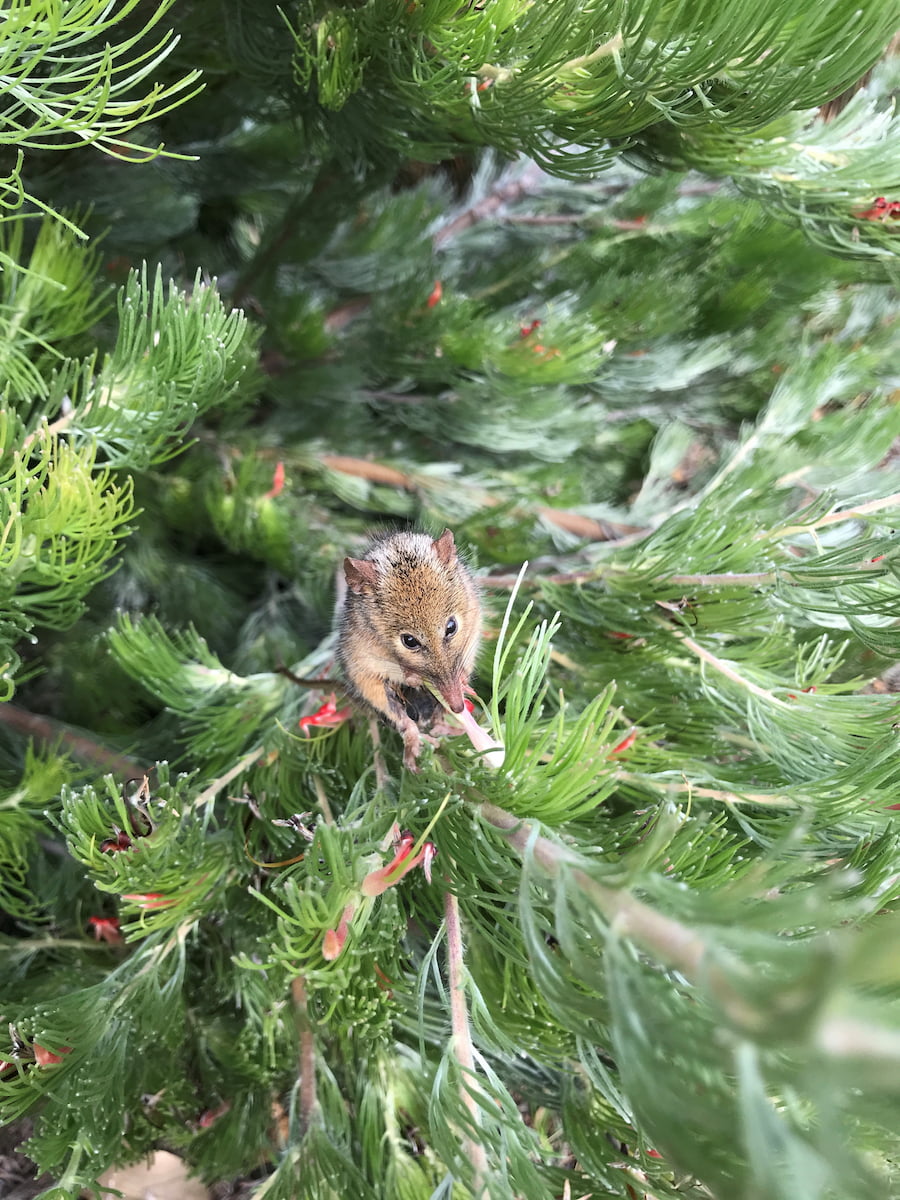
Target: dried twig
54,733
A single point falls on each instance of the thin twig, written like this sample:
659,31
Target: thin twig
60,425
769,799
585,527
845,514
848,1037
505,582
322,797
307,1056
723,668
668,940
49,732
363,469
502,194
757,579
243,764
672,942
462,1039
267,254
381,773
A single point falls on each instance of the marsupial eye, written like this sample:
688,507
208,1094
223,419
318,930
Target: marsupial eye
410,642
452,627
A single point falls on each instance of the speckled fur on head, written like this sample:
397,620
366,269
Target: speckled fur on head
412,615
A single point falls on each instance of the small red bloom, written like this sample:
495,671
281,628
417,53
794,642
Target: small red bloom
277,482
211,1115
149,899
882,209
382,980
436,293
328,715
45,1058
429,853
401,864
527,330
335,939
106,929
625,744
114,844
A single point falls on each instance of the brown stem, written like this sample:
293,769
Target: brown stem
60,425
770,799
243,764
503,194
462,1038
322,797
757,579
307,1056
363,469
381,772
669,940
323,684
585,527
49,732
507,582
845,514
720,665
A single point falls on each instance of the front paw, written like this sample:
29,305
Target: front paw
412,746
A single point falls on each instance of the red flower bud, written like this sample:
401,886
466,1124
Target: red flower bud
328,715
277,482
45,1058
106,929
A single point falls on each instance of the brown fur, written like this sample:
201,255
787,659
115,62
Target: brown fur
408,583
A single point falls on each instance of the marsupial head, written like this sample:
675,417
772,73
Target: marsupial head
414,607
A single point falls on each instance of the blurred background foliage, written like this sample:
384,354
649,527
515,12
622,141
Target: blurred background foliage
599,287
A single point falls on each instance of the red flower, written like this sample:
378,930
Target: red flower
149,899
277,482
328,714
401,864
114,844
211,1115
881,210
335,939
626,743
45,1058
106,929
436,293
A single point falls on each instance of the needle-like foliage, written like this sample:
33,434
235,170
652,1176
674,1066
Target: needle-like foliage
650,952
69,81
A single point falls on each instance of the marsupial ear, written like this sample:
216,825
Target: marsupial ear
445,548
361,576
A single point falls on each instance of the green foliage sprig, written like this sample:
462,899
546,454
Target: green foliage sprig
650,953
63,92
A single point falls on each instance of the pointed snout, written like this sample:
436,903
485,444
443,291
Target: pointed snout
452,692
